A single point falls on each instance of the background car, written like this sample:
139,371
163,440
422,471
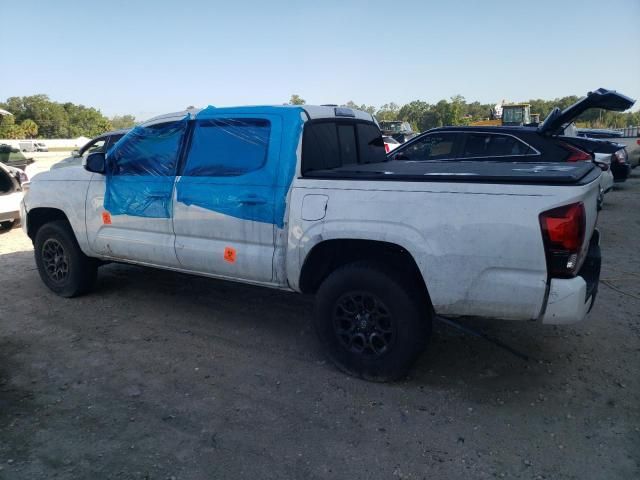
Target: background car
10,198
399,130
19,175
598,133
101,143
603,160
13,157
553,141
32,146
390,143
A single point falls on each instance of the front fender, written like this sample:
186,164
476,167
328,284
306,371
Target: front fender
67,196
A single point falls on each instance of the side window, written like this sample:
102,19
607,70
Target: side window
437,146
328,145
320,148
113,139
489,145
228,147
94,146
152,150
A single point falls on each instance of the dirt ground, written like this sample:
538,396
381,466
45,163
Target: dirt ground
158,375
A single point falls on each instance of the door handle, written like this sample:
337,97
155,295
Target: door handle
252,200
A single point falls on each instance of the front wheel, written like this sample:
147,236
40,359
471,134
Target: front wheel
61,264
370,323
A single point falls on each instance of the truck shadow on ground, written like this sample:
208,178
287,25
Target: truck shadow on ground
452,359
279,325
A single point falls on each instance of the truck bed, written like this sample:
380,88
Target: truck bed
467,172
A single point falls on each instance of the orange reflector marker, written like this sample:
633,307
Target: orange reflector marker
106,218
230,254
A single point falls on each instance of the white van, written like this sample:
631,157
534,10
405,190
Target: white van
32,146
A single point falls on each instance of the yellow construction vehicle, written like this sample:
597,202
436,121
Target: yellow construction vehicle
512,114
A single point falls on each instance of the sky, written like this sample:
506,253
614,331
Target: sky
151,57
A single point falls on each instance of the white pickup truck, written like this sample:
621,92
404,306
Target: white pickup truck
304,199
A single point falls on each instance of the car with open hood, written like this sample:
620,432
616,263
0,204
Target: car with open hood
547,142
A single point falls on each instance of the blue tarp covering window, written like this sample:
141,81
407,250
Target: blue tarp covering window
228,146
141,170
240,162
243,162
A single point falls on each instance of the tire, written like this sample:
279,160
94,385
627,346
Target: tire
371,324
8,225
61,264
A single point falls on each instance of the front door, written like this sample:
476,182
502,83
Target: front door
224,204
129,209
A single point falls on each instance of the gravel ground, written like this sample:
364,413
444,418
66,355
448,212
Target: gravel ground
158,375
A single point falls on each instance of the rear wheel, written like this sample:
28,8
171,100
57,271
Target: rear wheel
61,264
371,323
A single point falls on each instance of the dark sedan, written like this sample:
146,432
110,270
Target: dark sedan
545,143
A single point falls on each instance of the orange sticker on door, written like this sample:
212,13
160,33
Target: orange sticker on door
230,254
106,218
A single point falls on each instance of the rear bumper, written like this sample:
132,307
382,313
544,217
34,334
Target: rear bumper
570,299
6,216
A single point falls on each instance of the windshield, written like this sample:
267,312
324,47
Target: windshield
513,115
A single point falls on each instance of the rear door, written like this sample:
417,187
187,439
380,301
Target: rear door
225,200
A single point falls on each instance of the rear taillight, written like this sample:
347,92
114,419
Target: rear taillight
386,148
638,141
563,235
575,154
620,156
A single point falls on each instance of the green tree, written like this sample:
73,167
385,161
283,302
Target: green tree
365,108
414,112
9,129
86,121
7,122
457,109
388,111
30,128
296,100
124,121
51,118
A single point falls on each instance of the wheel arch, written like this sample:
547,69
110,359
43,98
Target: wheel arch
39,216
329,255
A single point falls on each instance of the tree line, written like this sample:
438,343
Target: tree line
36,116
457,111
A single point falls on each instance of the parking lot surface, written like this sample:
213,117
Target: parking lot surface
158,375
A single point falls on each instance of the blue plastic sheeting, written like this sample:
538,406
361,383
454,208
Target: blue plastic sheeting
141,169
227,147
242,161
